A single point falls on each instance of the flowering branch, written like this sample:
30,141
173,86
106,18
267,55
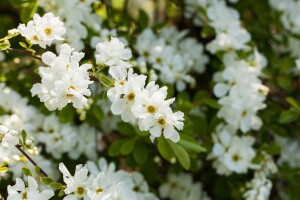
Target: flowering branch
30,159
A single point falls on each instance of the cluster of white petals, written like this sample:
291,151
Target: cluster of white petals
8,139
230,35
58,138
133,99
182,187
30,192
231,153
78,16
260,188
172,54
241,92
104,182
64,80
43,30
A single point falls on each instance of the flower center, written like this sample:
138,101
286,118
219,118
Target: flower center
80,191
48,31
130,96
99,190
161,121
236,157
35,38
24,195
151,109
136,188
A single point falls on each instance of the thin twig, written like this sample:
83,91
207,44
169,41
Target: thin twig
30,159
24,53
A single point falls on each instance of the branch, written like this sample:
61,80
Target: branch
30,159
24,53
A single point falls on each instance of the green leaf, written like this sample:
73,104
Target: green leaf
67,114
26,171
29,10
56,186
191,146
61,192
37,170
4,45
293,103
140,153
288,116
128,146
24,136
212,103
164,149
105,80
181,155
126,128
46,180
98,112
272,148
114,148
143,19
22,44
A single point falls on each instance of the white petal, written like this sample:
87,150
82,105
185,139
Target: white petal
118,106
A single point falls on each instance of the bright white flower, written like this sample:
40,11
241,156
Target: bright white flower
132,89
8,138
19,191
230,152
113,53
76,185
43,30
65,81
166,122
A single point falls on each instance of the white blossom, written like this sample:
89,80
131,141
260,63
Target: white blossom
64,81
43,30
20,191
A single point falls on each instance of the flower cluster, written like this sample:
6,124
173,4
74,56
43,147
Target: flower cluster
64,81
230,35
77,16
181,187
172,54
260,186
104,182
8,139
21,191
240,105
43,30
58,138
133,99
231,153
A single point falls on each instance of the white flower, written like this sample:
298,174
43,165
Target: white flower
19,191
43,30
132,88
259,188
76,185
230,152
8,138
113,53
165,123
65,81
